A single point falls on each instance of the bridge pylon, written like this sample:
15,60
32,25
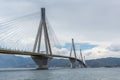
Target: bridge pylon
72,60
42,62
42,28
81,58
82,64
85,62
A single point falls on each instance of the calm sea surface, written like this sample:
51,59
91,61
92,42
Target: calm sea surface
61,74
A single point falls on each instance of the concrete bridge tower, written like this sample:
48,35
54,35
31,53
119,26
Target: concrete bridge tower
72,60
42,61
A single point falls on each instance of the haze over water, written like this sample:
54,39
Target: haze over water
61,74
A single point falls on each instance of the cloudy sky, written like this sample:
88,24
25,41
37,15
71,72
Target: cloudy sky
94,24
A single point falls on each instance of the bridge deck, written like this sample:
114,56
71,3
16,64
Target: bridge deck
3,51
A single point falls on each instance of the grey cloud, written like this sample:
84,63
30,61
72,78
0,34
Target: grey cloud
88,53
114,47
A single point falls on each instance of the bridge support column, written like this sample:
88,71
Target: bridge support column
72,62
42,62
80,65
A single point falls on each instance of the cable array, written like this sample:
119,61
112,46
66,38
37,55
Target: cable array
19,33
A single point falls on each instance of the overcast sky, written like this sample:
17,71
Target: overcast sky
94,24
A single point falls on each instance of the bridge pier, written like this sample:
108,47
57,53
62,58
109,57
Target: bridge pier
72,62
41,61
80,65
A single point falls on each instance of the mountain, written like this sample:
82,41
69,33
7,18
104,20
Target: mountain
104,62
12,61
7,61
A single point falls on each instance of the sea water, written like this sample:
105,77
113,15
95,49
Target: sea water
61,74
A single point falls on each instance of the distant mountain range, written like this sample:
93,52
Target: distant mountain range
12,61
104,62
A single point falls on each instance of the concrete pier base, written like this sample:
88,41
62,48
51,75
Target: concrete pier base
72,62
80,65
42,62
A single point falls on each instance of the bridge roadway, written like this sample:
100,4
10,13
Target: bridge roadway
17,52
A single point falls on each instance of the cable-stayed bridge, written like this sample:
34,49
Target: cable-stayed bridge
42,46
